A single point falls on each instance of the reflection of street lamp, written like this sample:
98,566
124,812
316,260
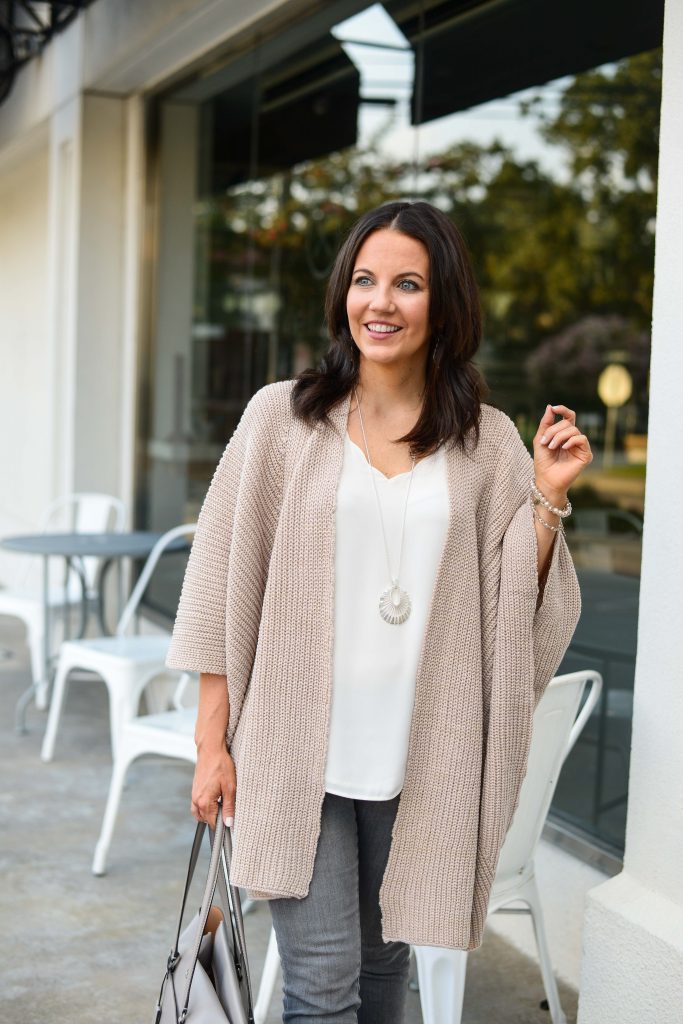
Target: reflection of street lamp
614,388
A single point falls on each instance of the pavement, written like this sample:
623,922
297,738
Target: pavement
78,949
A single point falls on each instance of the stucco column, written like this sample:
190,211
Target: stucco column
64,163
632,967
89,185
174,362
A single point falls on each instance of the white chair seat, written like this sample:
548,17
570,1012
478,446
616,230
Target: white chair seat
504,883
157,728
126,663
134,650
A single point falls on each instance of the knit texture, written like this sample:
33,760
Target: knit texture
257,605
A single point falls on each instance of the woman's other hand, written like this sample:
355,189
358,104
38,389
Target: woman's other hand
214,774
214,777
561,451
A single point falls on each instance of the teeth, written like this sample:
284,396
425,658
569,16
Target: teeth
382,328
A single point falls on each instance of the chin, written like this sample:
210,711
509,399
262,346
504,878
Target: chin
382,354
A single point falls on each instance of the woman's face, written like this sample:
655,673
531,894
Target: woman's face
387,303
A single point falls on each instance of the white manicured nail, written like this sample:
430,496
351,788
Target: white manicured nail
228,822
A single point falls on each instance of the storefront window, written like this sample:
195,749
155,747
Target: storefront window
263,163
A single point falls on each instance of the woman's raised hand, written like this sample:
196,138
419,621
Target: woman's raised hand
560,450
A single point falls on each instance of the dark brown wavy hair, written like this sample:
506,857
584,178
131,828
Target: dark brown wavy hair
454,387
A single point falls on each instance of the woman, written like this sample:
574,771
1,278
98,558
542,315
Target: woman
378,593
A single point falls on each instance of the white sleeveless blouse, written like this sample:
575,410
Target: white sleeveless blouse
375,663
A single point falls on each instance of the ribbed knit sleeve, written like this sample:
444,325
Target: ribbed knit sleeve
198,641
530,637
557,600
240,508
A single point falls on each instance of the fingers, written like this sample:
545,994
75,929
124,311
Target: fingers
564,411
579,441
561,433
214,780
228,804
547,419
553,434
547,426
205,810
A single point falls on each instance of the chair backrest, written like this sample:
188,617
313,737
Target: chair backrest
186,693
86,512
128,614
556,729
81,512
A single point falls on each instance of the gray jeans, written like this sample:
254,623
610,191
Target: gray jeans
335,965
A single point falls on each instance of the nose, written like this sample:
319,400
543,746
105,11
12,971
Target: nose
381,299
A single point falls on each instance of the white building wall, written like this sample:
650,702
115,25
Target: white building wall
99,296
25,384
633,948
72,168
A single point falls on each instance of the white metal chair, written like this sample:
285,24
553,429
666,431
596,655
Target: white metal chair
77,513
125,663
441,972
167,734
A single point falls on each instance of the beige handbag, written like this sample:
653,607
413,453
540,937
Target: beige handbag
207,974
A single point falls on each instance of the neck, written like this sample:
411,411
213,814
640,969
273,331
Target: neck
383,389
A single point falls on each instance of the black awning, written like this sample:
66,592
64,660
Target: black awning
303,111
473,51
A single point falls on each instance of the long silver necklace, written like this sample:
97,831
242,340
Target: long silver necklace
394,603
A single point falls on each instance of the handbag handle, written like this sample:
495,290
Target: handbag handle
221,851
232,906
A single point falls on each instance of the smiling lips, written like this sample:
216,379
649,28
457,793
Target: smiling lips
377,327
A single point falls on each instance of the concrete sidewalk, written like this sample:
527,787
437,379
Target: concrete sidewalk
76,949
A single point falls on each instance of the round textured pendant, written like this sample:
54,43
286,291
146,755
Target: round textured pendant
394,605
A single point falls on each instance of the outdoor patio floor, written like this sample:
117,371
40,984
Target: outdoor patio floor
77,949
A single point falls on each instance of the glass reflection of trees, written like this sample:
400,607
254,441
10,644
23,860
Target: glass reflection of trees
566,267
565,264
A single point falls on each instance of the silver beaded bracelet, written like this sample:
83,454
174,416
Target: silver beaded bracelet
540,499
556,529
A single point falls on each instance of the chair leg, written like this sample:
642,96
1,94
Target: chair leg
532,898
158,693
441,977
56,705
121,711
118,776
41,684
268,979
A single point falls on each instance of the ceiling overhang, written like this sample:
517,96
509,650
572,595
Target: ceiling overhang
25,28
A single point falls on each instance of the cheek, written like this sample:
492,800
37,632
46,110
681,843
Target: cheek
353,307
419,313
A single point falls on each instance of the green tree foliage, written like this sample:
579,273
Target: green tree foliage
548,252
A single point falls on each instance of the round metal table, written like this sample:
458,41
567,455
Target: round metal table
72,547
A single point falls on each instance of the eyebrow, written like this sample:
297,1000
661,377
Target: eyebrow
406,273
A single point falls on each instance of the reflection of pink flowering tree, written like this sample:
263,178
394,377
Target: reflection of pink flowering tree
578,354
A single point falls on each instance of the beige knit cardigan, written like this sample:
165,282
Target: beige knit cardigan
257,605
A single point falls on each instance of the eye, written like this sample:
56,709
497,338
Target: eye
412,286
361,279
